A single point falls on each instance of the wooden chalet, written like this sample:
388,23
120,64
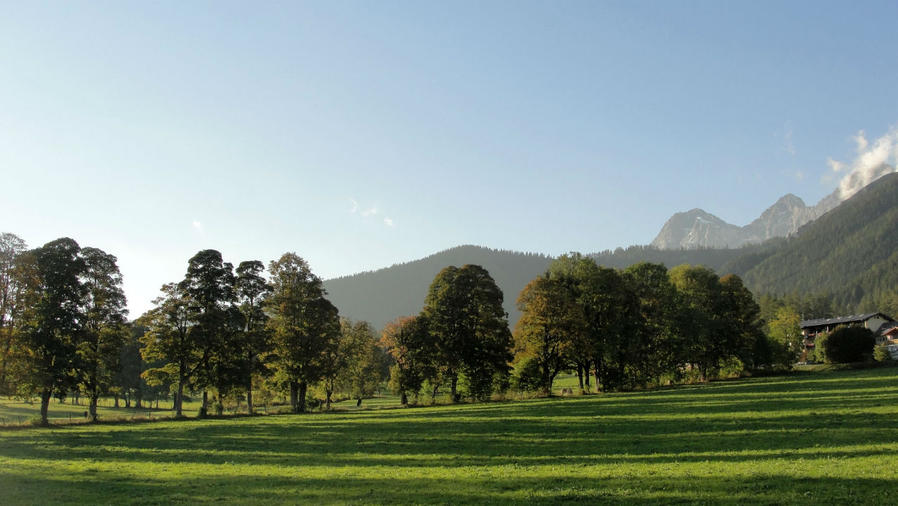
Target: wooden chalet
878,323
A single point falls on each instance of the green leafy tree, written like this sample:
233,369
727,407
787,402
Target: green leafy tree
216,323
550,322
251,290
304,326
742,324
51,323
701,308
464,312
128,382
169,345
11,293
654,346
104,328
406,340
607,306
785,329
366,363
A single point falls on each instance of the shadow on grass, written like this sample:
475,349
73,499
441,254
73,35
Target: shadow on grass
572,488
490,452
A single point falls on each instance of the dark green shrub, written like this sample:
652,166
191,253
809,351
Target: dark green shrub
848,344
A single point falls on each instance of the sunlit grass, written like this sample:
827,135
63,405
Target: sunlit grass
825,438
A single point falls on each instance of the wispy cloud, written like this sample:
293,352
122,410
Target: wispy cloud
367,212
198,226
788,146
799,175
874,159
835,165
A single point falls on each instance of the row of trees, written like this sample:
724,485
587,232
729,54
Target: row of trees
62,320
626,328
230,332
636,326
63,330
223,330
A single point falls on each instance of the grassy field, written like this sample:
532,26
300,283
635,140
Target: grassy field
814,438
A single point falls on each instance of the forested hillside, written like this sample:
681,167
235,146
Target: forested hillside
385,294
714,258
850,253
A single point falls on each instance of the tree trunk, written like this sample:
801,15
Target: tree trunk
294,394
45,405
249,395
204,408
327,397
302,396
92,408
403,399
586,373
580,375
116,401
453,387
179,398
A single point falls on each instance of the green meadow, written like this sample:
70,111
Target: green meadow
812,438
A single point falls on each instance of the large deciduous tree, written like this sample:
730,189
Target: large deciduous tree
103,329
51,323
470,328
209,286
551,323
304,326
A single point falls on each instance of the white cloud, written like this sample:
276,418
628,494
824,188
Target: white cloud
198,226
370,211
873,160
388,221
799,175
355,206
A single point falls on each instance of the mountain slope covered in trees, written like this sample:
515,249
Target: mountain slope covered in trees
850,253
385,294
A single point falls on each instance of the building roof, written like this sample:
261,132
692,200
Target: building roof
841,320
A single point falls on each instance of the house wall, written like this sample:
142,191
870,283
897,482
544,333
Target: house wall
874,323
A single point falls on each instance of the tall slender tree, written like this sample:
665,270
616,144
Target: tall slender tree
104,328
209,286
169,343
11,288
252,290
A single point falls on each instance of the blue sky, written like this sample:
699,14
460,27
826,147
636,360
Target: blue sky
360,134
